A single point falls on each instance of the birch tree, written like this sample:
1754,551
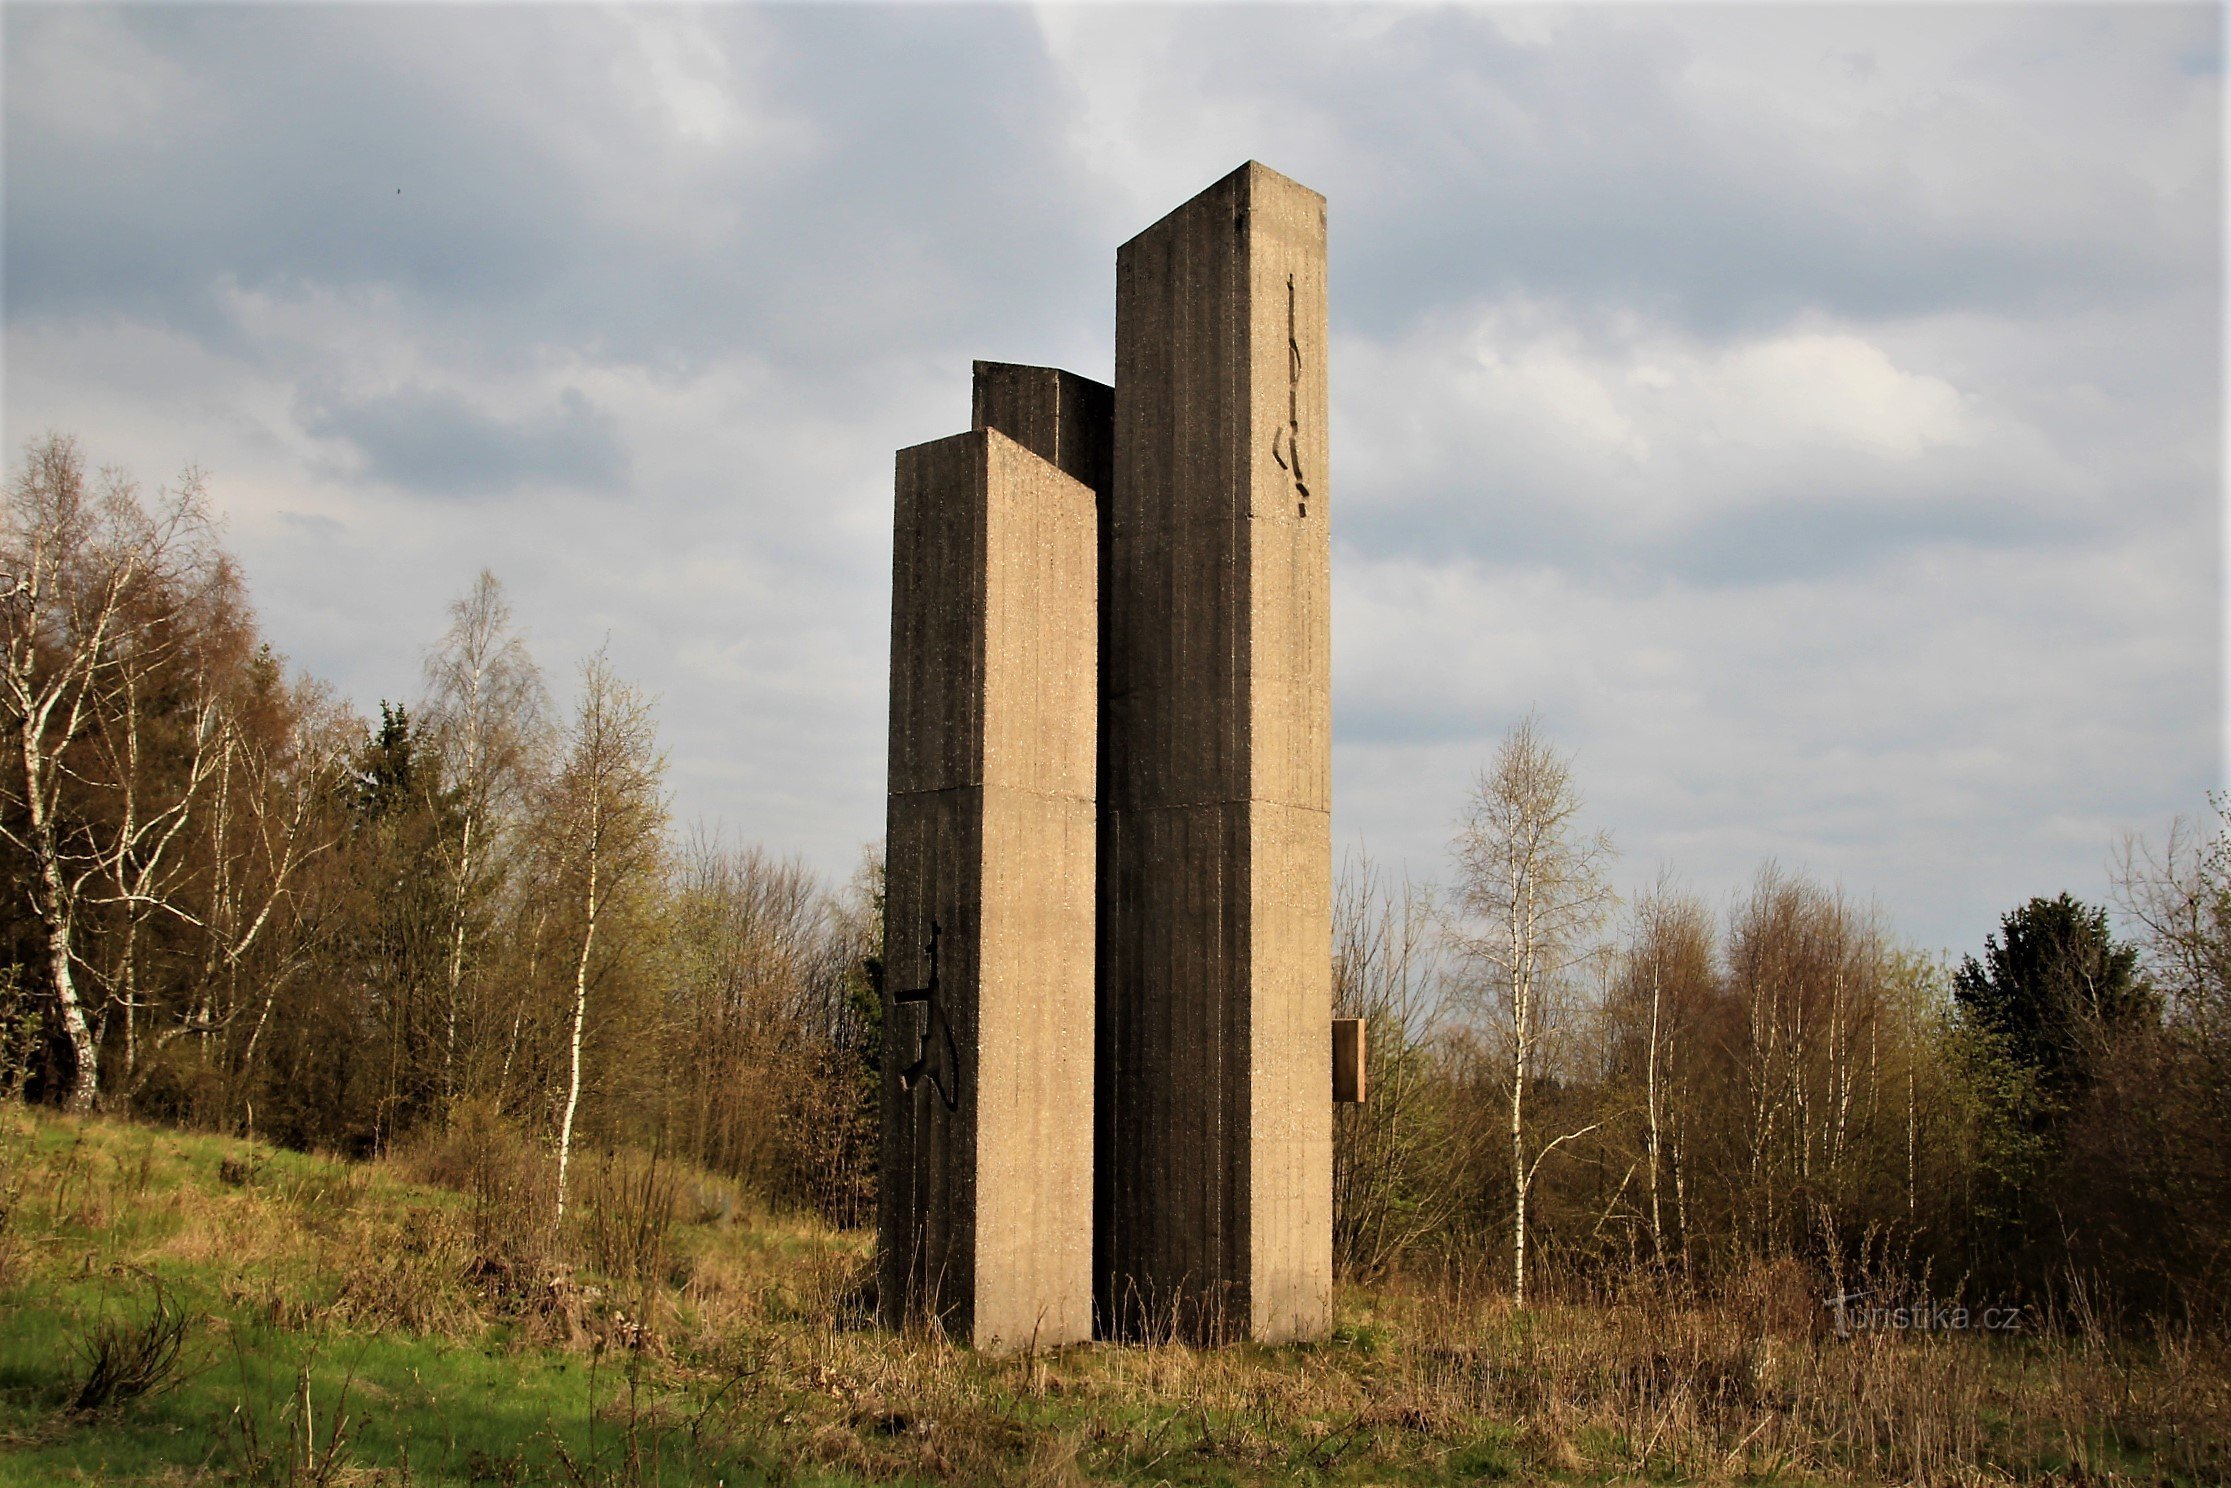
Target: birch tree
486,711
90,579
609,813
1532,891
143,873
282,787
1665,978
1806,969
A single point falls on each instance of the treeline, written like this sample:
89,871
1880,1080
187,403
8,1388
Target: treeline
1662,1093
233,903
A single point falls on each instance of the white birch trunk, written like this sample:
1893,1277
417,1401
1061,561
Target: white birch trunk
1650,1091
580,1012
54,901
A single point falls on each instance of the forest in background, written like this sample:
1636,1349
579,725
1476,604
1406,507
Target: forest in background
237,906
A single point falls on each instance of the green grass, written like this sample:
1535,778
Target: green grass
413,1322
284,1263
448,1411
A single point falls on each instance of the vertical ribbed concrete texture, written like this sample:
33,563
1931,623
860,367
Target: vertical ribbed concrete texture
1213,1166
985,1203
1064,419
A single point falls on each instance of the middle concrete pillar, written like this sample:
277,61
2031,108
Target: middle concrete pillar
1213,1149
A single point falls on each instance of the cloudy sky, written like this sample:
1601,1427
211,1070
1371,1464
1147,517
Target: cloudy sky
1813,413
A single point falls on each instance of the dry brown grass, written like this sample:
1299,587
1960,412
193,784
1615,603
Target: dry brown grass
1430,1384
735,1335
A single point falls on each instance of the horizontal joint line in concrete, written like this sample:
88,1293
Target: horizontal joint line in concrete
994,788
1195,805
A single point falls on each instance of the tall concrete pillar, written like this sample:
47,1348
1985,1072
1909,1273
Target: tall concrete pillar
1214,1142
985,1203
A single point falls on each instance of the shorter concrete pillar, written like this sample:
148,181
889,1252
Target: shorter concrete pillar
985,1209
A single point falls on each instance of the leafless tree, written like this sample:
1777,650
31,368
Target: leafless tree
92,578
1532,892
609,814
1392,1154
2178,898
1665,978
486,710
151,810
1808,969
282,820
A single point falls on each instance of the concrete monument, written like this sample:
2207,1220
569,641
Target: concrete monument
1108,1082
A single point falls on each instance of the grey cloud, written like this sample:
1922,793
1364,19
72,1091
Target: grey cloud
1836,524
937,195
314,526
1803,536
766,315
1374,714
340,146
436,443
304,152
1465,163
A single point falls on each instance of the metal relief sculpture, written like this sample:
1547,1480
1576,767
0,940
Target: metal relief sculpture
932,1049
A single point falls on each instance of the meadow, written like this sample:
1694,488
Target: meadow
188,1309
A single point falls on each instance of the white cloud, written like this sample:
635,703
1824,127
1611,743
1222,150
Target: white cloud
1818,391
678,66
1641,430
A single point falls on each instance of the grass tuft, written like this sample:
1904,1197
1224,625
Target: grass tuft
123,1359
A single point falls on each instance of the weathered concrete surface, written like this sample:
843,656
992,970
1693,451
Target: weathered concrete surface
985,1201
1064,419
1214,1127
